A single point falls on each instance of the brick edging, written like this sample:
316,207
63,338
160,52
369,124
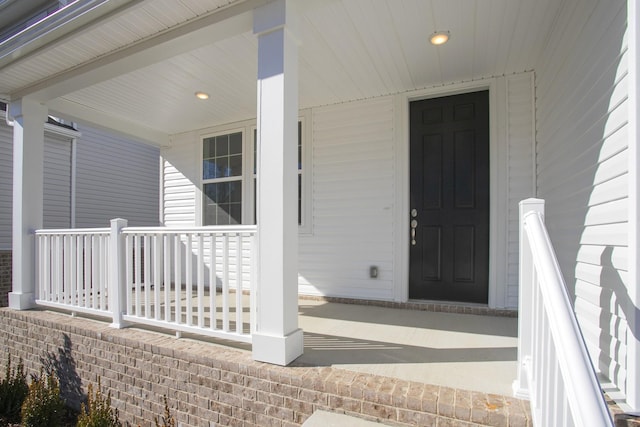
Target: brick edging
206,382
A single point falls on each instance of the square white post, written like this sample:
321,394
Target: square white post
525,298
277,338
28,162
632,303
117,279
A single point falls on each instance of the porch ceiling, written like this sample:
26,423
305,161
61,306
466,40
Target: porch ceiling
350,49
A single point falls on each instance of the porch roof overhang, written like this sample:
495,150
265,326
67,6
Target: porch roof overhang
134,65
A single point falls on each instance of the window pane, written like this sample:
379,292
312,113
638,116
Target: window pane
208,148
208,169
222,145
235,165
235,143
222,203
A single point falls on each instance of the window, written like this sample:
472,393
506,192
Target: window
222,179
229,175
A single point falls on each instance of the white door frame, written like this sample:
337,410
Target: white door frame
498,184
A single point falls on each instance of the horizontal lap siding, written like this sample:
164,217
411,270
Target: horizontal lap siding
57,182
180,172
6,183
520,168
582,169
353,202
116,178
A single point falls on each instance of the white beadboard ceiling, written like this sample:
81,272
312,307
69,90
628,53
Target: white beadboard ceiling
350,49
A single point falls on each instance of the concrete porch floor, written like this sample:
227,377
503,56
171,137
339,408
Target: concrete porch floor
463,351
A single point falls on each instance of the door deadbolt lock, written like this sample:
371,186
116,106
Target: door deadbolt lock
414,213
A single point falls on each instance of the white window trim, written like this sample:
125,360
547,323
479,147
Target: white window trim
243,179
247,129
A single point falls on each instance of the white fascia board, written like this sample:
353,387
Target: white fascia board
219,25
82,114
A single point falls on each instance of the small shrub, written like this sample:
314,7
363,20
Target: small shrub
167,418
13,391
98,412
43,405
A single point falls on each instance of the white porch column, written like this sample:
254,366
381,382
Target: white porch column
277,338
632,309
28,153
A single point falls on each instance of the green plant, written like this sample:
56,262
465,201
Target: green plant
167,418
98,412
13,391
43,405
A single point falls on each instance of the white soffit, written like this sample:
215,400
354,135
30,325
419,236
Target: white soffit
350,49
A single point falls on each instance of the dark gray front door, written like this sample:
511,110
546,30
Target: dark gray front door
449,189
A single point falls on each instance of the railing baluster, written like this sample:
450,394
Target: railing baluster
79,270
104,283
212,281
73,269
239,325
95,254
177,256
157,267
146,250
128,262
46,267
189,279
225,283
167,276
200,281
57,270
138,272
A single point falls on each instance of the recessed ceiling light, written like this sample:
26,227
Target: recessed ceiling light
439,37
202,95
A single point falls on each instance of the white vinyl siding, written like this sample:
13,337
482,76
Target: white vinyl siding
57,182
581,89
116,178
353,202
6,183
180,171
56,209
353,183
520,169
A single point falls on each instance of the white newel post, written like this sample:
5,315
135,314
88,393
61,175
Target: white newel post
525,314
28,118
117,277
277,338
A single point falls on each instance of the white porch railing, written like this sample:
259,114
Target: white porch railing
197,280
554,368
73,270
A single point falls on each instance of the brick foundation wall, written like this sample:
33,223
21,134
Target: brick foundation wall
5,277
209,385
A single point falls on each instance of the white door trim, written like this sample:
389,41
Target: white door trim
498,157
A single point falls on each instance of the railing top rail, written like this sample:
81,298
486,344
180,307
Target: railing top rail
71,231
577,369
215,229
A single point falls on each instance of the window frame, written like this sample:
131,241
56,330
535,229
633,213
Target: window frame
202,181
304,224
247,129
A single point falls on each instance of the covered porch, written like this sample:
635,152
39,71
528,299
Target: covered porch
331,84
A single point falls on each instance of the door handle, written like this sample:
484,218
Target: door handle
414,224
